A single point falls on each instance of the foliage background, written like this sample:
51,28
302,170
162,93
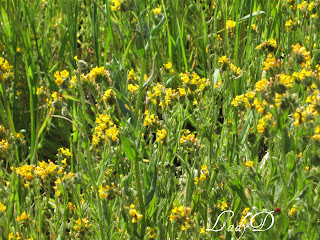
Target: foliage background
82,151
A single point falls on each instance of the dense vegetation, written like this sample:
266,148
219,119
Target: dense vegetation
131,119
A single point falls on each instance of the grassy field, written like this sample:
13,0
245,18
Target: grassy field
131,119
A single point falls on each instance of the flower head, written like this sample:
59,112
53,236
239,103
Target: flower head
249,164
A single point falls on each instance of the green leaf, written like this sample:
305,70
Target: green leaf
122,102
70,97
153,187
298,196
216,75
6,24
129,148
156,29
253,14
236,186
152,73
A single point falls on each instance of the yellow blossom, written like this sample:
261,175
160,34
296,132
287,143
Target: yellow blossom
161,134
135,216
293,210
168,65
249,164
2,207
223,206
24,216
157,11
230,25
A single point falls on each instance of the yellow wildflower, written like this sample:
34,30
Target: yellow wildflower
293,210
157,11
2,207
249,164
230,25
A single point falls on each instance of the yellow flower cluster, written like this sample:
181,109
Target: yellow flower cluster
203,177
26,171
262,124
63,155
55,101
108,95
291,25
218,85
4,145
156,92
150,119
304,114
225,63
104,130
18,236
182,92
246,218
57,186
61,77
97,73
152,233
244,100
223,206
107,192
45,170
286,80
193,82
116,5
230,25
40,90
132,75
301,54
5,69
223,60
19,135
314,99
135,216
168,66
65,151
133,87
187,137
254,28
316,136
304,75
261,85
23,217
269,45
157,11
275,91
189,141
170,94
181,216
278,99
2,207
235,70
58,181
161,135
293,210
249,164
81,225
271,64
305,8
